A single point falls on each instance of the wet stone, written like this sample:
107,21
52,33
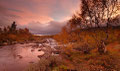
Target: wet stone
39,49
39,56
31,62
19,56
32,50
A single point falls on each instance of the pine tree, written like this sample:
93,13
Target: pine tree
13,27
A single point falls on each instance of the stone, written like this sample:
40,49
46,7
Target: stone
39,49
39,56
19,56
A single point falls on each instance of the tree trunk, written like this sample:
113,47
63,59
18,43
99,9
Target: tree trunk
101,48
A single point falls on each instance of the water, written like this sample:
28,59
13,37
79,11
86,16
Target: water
19,56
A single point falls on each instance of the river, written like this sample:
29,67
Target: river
19,56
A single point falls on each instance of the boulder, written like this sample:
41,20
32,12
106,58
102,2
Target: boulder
19,56
39,56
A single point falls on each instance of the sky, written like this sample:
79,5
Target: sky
39,16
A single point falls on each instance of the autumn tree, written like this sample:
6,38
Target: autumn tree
96,13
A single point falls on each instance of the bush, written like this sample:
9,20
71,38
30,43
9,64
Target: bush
49,64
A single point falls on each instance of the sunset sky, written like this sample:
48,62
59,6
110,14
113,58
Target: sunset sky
40,16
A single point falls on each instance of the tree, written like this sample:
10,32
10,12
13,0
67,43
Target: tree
96,13
13,27
0,30
5,30
26,31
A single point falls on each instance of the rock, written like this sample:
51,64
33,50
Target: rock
39,45
39,49
44,48
56,52
19,56
21,42
31,62
32,50
39,56
5,43
14,42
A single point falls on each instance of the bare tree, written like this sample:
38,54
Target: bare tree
98,13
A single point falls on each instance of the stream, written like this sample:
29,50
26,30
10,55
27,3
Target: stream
19,56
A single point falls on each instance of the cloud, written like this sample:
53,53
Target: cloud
52,27
39,13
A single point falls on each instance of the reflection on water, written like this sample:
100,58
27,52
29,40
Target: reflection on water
18,57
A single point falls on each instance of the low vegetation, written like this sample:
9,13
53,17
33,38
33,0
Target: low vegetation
12,35
82,49
53,63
